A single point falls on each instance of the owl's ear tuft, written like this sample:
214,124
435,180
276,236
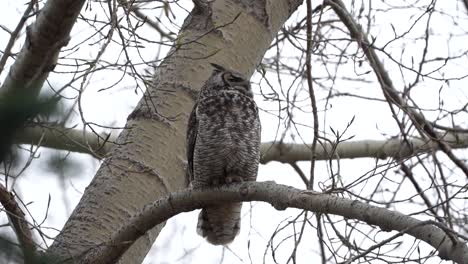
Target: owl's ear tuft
217,67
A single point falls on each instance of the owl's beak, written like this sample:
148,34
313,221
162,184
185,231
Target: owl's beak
217,66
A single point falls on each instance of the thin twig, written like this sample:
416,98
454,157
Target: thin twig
409,174
300,173
311,93
151,23
323,255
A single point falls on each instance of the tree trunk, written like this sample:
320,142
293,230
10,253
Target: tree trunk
149,161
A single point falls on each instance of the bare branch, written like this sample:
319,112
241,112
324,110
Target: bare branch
19,224
380,149
280,197
75,140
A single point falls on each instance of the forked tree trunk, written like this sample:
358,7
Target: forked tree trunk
150,161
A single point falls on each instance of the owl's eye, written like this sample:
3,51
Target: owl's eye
230,78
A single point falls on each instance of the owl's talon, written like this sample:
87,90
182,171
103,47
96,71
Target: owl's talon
244,190
231,179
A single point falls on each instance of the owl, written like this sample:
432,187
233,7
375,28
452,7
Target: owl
223,146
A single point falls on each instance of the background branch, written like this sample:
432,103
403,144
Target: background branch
70,139
75,140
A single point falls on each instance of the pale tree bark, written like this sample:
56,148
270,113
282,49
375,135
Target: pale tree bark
148,160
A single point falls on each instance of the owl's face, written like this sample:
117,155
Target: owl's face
222,79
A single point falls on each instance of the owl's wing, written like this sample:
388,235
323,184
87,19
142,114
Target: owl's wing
192,130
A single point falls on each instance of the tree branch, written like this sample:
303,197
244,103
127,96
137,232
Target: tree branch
381,149
75,140
62,138
18,224
280,197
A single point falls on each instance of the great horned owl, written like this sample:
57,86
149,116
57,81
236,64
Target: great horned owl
223,146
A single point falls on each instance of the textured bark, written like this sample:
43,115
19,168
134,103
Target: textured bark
151,162
281,197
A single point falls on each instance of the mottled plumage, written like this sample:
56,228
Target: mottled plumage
223,146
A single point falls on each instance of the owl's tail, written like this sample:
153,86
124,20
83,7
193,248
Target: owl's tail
220,224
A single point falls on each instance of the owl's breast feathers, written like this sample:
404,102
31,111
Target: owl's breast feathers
229,108
230,125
